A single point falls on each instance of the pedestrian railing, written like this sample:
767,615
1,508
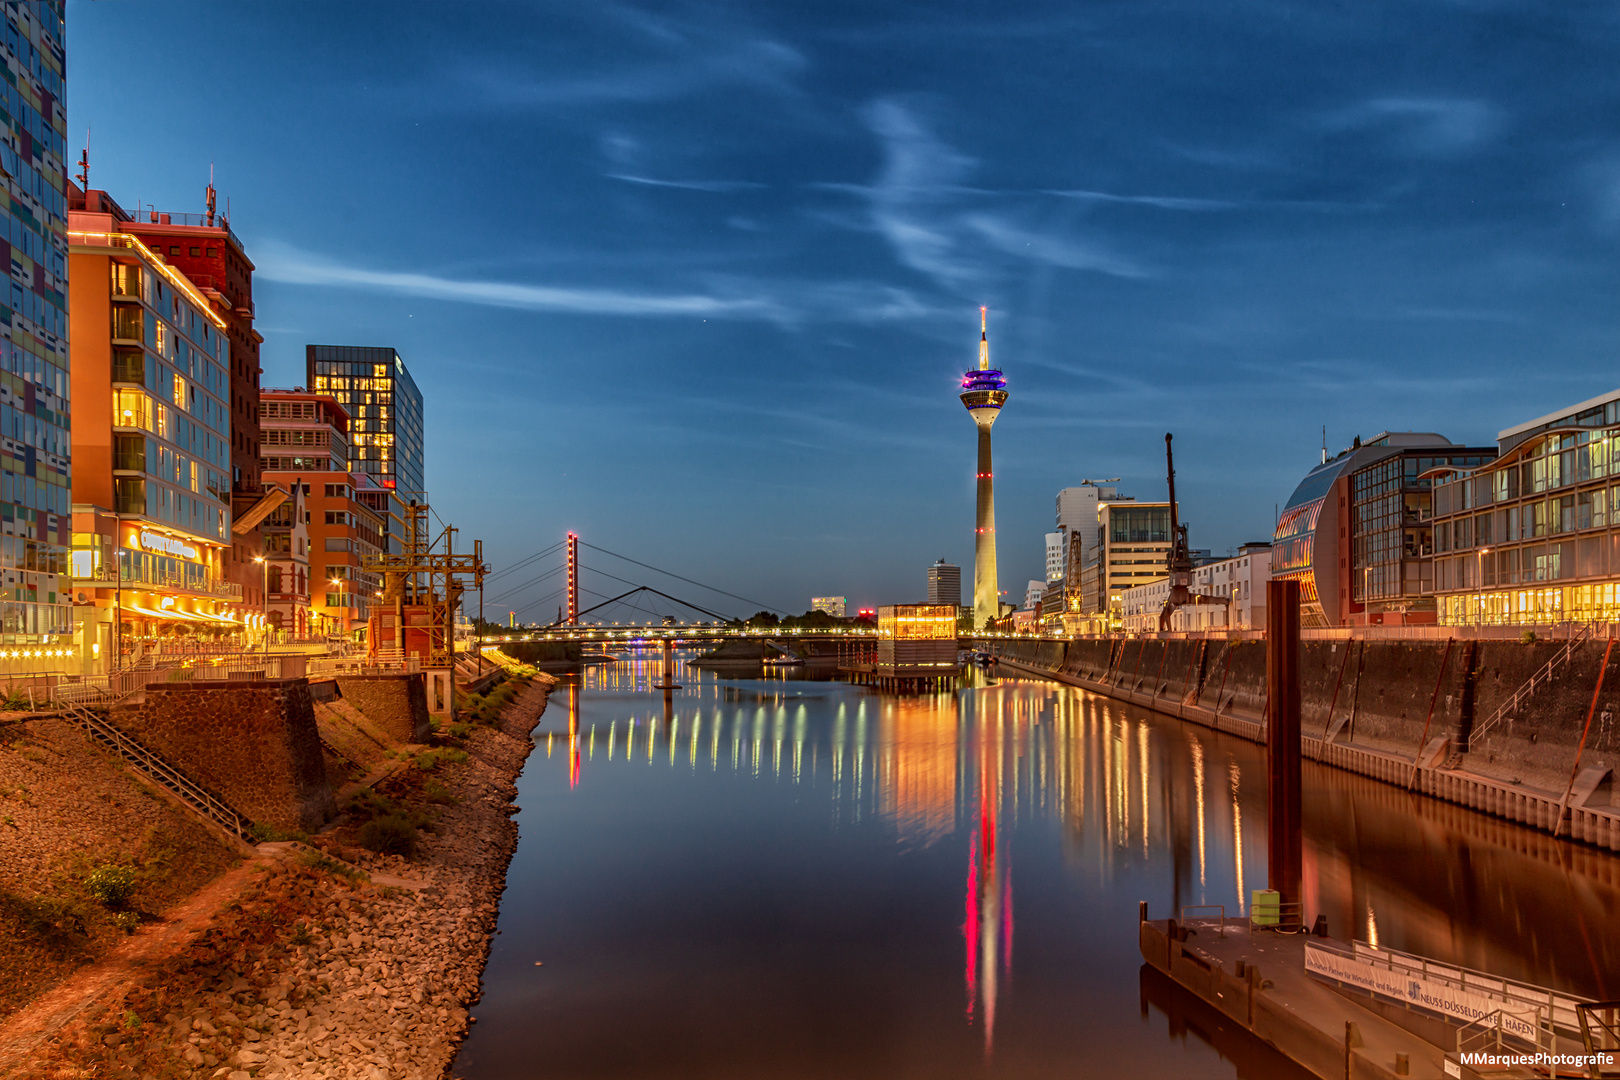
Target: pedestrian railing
1510,707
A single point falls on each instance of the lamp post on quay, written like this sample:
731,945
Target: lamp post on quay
264,602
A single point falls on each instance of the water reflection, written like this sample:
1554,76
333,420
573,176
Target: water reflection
861,842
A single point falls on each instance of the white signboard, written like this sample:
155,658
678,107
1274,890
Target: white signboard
1413,989
152,541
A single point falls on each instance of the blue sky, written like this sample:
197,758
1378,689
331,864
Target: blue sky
699,282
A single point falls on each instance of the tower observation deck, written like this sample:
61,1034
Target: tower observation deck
984,392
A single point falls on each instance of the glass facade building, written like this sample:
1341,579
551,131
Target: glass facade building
1355,533
35,445
385,412
1534,536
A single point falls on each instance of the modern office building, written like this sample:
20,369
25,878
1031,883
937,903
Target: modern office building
1533,536
1032,593
1077,519
385,412
1133,542
830,605
984,392
310,431
1356,532
36,618
1054,557
945,584
151,438
211,256
1229,594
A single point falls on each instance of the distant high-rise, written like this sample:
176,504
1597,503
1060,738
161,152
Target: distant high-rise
984,391
1054,556
945,584
385,412
830,605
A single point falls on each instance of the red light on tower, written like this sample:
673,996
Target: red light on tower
573,578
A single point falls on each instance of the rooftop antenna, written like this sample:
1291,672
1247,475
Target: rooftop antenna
1324,444
84,162
210,193
984,342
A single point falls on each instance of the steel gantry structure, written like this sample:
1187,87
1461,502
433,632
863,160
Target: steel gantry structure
428,572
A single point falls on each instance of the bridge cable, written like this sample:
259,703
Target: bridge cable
677,577
521,563
515,589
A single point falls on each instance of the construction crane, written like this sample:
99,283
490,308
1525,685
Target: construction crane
1178,562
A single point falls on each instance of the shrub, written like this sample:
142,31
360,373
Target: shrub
369,803
111,885
1528,637
438,793
391,834
263,832
126,921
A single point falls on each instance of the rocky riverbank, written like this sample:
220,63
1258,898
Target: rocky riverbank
314,971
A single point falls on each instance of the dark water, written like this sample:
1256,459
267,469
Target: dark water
784,878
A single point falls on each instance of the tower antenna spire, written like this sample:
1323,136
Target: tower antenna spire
84,162
984,342
209,194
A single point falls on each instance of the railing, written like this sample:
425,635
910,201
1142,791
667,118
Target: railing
1559,1012
189,791
1488,1031
1281,917
108,575
1600,1034
1511,705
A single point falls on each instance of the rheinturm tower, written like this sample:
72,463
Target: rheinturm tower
984,392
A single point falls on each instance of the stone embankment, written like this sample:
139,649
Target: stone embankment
315,971
1435,716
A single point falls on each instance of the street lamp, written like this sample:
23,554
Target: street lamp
264,602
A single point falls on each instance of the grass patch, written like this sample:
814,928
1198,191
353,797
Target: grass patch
429,760
264,833
436,792
316,861
391,834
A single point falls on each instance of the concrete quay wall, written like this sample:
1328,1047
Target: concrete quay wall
254,743
397,704
1367,707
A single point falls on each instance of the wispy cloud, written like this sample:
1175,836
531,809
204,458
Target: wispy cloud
917,203
1163,202
689,185
1044,247
1423,125
788,303
291,266
686,58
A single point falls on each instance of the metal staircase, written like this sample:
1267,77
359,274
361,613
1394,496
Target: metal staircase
1543,675
150,764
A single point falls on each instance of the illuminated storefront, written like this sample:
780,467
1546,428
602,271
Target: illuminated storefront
151,430
1534,537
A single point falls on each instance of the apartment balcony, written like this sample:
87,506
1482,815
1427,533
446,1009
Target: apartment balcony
108,576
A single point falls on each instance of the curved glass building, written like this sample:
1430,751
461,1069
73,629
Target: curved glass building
1356,532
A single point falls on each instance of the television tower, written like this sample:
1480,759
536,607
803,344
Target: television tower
984,392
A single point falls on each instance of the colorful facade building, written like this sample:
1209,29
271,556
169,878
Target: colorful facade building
151,436
1533,536
36,616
